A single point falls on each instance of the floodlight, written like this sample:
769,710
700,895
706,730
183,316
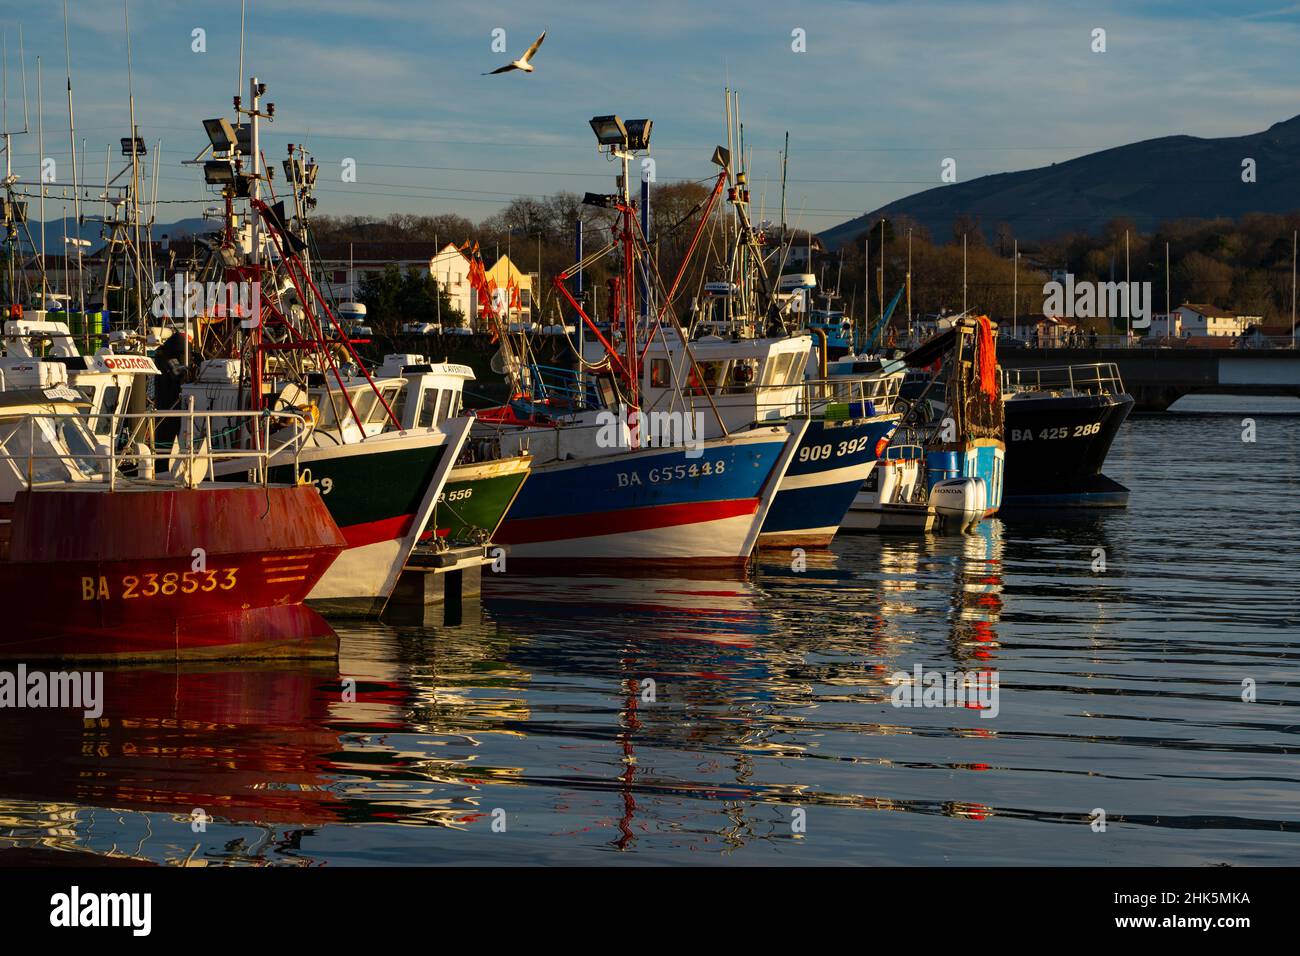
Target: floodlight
638,134
220,133
609,130
599,199
218,172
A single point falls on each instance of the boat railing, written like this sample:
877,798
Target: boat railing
563,387
904,452
839,396
849,396
1100,378
191,456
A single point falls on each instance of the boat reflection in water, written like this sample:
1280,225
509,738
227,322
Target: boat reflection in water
174,752
603,712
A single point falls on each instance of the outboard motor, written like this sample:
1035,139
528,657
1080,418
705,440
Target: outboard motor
959,502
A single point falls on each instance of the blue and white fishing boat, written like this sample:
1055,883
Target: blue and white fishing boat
731,384
650,505
603,487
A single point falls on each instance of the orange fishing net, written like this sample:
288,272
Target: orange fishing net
986,352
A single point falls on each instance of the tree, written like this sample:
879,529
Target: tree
393,297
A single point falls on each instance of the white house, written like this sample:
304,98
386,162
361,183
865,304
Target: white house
1198,319
1166,325
450,269
346,264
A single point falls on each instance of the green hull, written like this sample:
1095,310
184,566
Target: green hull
476,498
373,496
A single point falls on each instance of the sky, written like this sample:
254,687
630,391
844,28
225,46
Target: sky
880,95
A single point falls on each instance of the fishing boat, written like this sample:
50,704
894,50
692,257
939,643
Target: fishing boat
1060,424
960,480
733,383
757,374
159,564
381,485
601,489
482,484
653,505
894,496
380,477
967,445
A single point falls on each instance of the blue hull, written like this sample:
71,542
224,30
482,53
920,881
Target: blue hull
647,505
825,475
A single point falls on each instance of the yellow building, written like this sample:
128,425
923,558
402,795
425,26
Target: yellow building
502,273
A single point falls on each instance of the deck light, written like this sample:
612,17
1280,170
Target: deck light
638,134
220,133
218,172
609,131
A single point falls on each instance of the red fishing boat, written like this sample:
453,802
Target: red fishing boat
137,558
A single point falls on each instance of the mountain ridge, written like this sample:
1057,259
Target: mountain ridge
1150,181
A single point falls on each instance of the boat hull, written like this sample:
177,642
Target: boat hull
1057,446
653,505
477,497
209,573
886,502
825,475
376,491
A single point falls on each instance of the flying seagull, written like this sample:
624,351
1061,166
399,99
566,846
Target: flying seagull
521,63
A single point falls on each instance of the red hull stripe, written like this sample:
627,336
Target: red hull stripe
372,532
529,530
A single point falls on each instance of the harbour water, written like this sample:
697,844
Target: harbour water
707,721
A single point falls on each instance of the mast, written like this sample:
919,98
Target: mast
40,178
134,206
785,165
76,195
909,283
880,286
255,254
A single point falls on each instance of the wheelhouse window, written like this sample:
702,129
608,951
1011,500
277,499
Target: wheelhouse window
103,422
428,408
661,375
378,413
708,379
444,406
35,447
779,368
